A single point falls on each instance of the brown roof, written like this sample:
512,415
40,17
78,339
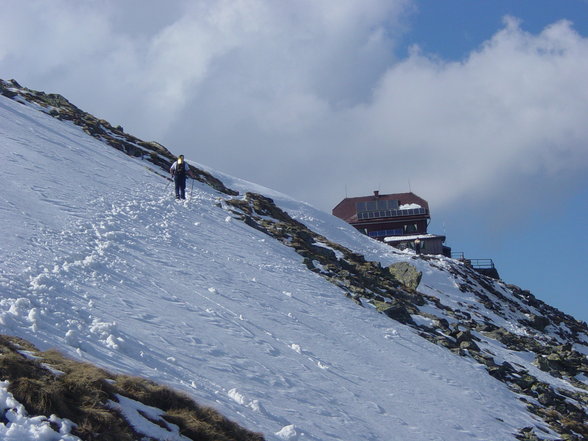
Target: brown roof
346,209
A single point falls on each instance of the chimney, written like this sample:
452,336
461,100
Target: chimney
377,193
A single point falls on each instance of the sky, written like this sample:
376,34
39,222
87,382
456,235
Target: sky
477,106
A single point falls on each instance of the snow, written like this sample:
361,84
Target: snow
19,426
408,238
100,262
288,433
142,418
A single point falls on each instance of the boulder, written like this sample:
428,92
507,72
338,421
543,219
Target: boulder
406,274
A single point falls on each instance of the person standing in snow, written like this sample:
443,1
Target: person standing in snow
417,245
179,170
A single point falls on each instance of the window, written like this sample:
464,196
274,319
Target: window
410,228
381,208
377,205
385,233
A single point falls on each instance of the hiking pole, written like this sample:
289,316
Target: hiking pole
167,186
192,188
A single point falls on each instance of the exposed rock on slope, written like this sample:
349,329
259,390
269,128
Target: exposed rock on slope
467,331
60,108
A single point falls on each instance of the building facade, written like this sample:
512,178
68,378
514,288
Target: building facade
399,219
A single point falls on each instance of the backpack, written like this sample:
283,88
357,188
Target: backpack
180,169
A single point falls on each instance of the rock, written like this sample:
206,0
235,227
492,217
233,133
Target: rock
485,359
469,345
525,382
486,327
395,311
463,336
497,372
448,342
325,253
441,323
406,274
527,434
501,372
538,322
6,92
547,399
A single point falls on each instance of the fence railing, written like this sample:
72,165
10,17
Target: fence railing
474,263
481,263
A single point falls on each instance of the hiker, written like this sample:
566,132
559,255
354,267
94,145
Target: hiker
179,170
417,246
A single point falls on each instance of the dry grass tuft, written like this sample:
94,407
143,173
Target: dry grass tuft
80,392
196,422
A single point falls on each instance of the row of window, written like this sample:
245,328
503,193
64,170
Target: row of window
377,205
406,229
386,233
390,213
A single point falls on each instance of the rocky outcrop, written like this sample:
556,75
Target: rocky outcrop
562,361
393,291
60,108
359,278
406,273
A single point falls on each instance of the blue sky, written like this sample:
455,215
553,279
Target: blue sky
480,105
546,251
453,28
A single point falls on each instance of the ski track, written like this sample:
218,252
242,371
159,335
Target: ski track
100,262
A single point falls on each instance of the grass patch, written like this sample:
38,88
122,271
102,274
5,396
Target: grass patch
196,422
80,392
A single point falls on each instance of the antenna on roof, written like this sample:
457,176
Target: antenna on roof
409,187
345,191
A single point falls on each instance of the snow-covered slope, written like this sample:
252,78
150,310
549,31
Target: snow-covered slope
99,261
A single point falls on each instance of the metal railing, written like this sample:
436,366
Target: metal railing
481,263
474,263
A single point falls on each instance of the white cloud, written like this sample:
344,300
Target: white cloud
515,107
307,97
